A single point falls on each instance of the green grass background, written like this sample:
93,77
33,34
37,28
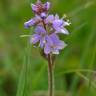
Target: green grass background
23,71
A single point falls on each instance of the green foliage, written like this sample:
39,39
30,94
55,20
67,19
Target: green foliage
22,65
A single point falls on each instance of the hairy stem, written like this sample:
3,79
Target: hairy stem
50,77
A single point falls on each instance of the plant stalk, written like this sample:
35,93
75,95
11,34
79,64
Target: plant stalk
50,76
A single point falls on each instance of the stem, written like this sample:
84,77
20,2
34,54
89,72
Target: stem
50,71
50,77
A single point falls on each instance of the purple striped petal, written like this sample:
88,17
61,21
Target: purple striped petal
34,8
57,24
61,45
47,5
49,19
49,40
62,30
29,23
47,49
35,38
42,42
40,30
54,38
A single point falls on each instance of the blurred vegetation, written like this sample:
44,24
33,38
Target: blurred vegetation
75,67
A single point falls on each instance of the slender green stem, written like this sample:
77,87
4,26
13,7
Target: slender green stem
50,77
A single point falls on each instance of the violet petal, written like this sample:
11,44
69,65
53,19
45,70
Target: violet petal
40,30
47,49
49,19
29,23
61,45
47,5
34,7
34,38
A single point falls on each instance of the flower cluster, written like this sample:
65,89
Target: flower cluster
47,28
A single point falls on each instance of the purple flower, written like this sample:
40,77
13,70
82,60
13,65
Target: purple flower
47,27
53,44
32,22
40,8
57,24
39,36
